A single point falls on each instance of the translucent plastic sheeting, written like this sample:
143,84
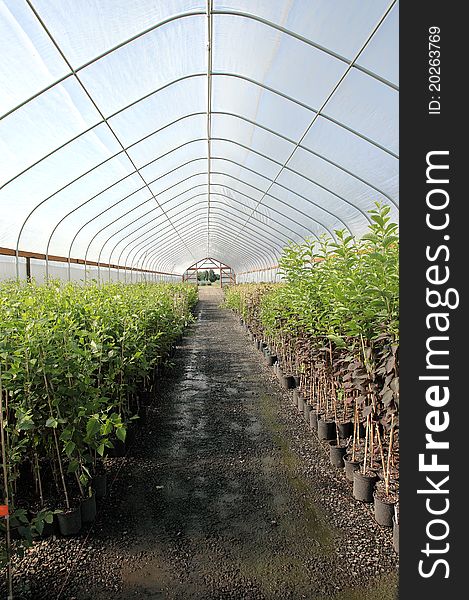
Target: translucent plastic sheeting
152,134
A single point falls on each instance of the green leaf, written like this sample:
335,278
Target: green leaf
69,448
73,466
39,526
121,433
52,422
92,427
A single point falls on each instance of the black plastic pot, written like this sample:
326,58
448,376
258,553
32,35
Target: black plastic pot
70,521
395,535
288,382
99,485
336,455
384,512
363,486
88,509
279,372
271,359
297,380
119,449
345,430
350,467
326,430
307,408
313,420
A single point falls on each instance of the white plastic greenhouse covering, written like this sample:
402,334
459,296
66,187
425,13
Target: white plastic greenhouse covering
149,134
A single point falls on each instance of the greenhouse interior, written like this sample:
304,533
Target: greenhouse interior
199,344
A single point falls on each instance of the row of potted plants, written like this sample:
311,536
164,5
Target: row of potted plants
332,330
350,447
77,367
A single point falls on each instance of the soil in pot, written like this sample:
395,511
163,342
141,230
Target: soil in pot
326,430
70,521
350,467
345,429
384,505
88,509
363,486
336,454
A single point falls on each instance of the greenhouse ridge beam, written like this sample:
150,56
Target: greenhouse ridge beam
331,93
209,111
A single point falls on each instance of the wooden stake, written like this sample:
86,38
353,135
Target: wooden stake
387,475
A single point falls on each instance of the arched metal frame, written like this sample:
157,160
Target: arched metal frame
215,139
209,13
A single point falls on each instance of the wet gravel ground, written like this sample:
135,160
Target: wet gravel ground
224,494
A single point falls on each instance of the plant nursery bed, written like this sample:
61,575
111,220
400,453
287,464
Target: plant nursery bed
225,492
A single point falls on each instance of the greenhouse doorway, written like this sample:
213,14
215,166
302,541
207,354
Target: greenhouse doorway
210,271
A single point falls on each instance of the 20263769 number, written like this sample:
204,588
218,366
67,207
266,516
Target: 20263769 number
434,72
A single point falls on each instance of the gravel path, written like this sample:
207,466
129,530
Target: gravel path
224,494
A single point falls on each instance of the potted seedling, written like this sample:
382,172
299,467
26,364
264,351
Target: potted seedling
385,498
364,479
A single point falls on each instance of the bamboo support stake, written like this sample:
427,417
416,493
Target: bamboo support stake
381,451
388,469
355,430
366,443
